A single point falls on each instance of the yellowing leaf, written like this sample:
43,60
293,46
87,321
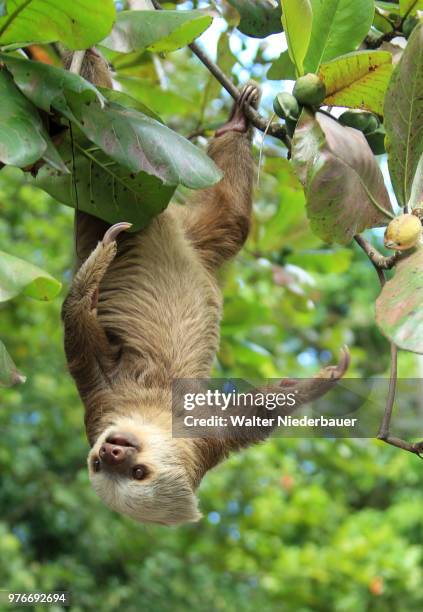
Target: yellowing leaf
358,80
297,18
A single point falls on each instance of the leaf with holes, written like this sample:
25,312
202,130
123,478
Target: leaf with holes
47,86
141,144
98,185
404,117
339,26
358,80
23,138
9,374
159,31
399,307
258,18
343,183
19,276
77,24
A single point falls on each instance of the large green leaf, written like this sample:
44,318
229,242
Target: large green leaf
47,86
404,117
399,307
101,187
358,80
78,24
160,31
23,138
159,100
339,26
9,374
343,183
297,20
133,139
259,18
140,143
18,276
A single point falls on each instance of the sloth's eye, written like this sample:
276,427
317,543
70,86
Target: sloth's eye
139,472
96,465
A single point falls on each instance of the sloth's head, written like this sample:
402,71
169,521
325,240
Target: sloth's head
138,470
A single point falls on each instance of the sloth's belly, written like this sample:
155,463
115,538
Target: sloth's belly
160,304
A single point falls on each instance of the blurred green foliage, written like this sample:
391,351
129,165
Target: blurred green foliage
295,525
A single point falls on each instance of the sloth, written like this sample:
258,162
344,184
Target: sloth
143,310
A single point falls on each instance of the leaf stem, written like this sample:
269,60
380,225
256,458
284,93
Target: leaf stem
275,129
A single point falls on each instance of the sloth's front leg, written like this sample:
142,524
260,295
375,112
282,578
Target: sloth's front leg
89,353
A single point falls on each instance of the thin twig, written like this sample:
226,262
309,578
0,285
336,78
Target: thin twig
381,263
76,63
260,122
377,259
386,421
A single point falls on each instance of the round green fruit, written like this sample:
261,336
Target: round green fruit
286,106
360,120
376,141
309,90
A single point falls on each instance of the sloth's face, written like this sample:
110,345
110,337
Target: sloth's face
137,470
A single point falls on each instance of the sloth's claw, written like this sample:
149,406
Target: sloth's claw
238,121
114,231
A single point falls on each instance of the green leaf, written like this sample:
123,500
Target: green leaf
135,140
297,20
399,310
18,276
101,187
358,80
259,18
78,24
47,86
410,7
140,143
343,183
23,138
159,100
159,31
339,26
113,95
404,116
9,375
282,68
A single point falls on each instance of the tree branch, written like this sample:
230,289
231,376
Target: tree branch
275,129
378,260
380,264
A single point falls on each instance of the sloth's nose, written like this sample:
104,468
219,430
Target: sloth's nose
113,454
123,439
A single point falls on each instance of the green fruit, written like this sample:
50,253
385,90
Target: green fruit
376,141
409,25
291,124
309,90
360,120
286,106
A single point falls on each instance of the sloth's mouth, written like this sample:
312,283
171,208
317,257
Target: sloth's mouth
123,439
